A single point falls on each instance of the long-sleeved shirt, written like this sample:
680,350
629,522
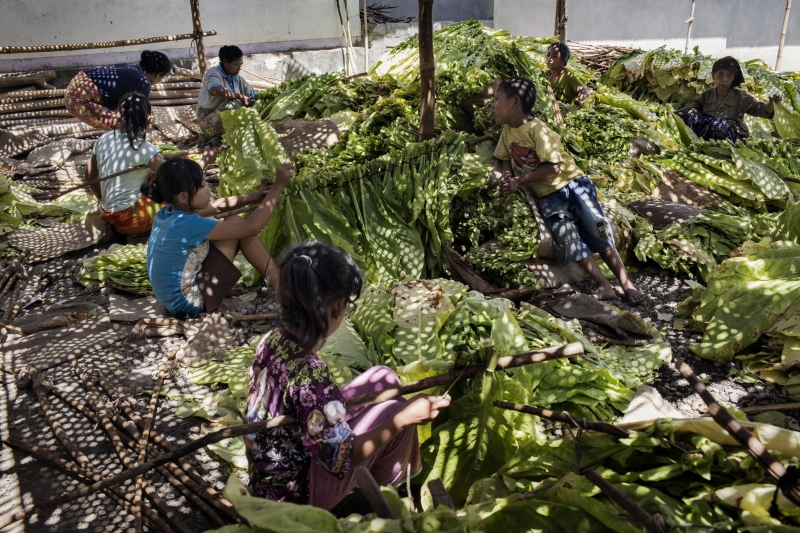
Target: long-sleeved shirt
737,103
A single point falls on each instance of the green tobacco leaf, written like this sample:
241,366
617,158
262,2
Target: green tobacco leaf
253,155
745,296
421,309
278,517
348,347
477,439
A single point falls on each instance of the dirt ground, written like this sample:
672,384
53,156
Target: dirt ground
24,480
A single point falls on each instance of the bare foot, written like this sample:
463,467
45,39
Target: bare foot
605,293
634,296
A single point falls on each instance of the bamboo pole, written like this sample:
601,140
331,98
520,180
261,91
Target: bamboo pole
689,28
650,523
582,423
38,114
171,93
24,96
366,38
38,78
560,26
753,446
145,436
198,484
171,472
176,85
123,499
427,71
103,44
29,106
783,34
201,49
514,361
176,101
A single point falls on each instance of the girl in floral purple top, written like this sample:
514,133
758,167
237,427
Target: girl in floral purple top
314,460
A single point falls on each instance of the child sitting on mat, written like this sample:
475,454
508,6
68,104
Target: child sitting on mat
189,257
314,460
534,159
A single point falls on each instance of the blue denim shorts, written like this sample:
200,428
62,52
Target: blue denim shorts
577,222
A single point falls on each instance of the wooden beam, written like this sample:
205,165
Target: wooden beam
15,80
689,28
427,72
104,44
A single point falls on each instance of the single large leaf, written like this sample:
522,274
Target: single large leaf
276,517
477,439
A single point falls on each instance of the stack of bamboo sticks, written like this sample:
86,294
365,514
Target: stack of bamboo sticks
599,58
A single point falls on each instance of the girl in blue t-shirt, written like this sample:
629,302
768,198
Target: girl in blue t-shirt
190,257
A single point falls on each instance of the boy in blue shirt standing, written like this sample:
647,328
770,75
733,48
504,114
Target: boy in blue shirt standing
534,159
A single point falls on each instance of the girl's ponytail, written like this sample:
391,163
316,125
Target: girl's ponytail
314,276
134,110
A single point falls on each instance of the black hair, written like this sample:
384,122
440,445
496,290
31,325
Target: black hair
230,53
155,63
522,87
174,177
133,110
563,50
313,276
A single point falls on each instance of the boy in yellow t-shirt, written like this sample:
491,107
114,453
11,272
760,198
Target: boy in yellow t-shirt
534,159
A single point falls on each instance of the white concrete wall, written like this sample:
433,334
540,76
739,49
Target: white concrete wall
261,25
745,29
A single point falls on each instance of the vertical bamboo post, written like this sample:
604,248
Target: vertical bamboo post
560,26
783,34
427,70
689,28
201,49
366,38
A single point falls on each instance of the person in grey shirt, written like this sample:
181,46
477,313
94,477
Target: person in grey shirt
223,89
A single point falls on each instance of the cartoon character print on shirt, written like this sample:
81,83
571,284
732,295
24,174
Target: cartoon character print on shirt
334,442
525,158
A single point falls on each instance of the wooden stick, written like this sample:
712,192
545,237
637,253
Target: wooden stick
439,494
93,399
753,446
171,472
22,278
773,407
689,28
372,491
478,140
169,457
650,523
39,285
102,44
427,71
514,361
783,34
148,425
366,38
253,318
237,211
199,34
215,498
123,499
602,427
55,426
86,183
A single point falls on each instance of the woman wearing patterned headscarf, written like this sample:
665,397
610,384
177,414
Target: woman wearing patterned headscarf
718,113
